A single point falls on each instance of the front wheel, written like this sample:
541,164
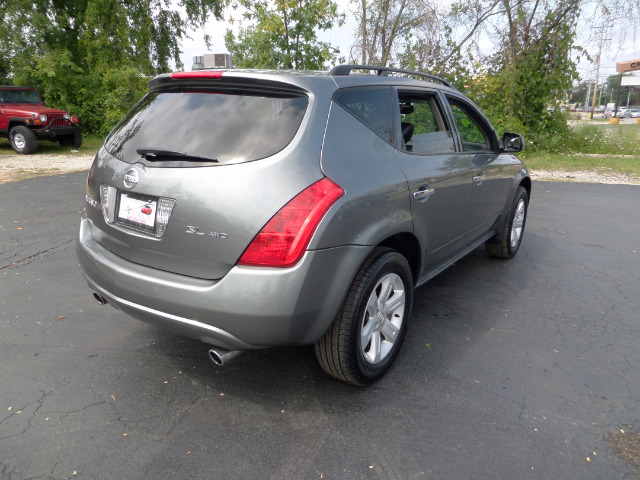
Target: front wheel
23,140
366,336
507,241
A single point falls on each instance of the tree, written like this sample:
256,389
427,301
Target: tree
386,25
531,65
284,34
92,57
579,93
535,66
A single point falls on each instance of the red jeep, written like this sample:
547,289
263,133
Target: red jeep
24,119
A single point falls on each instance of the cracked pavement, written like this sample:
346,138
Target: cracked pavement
510,369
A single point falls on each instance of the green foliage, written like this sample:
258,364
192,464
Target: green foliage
579,94
469,131
595,139
612,85
284,34
579,161
521,84
606,148
93,57
422,118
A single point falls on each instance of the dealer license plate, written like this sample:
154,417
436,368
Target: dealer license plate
137,211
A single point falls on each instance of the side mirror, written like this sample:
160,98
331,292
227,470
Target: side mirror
512,142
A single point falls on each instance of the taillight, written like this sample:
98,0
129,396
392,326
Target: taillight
285,237
215,74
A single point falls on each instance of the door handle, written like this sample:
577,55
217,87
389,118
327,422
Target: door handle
423,193
478,179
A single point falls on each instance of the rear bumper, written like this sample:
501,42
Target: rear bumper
250,307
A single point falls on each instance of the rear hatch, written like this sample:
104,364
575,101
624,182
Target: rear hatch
188,178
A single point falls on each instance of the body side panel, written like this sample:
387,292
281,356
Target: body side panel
376,203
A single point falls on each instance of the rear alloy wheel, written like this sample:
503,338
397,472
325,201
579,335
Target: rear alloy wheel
507,242
23,140
366,336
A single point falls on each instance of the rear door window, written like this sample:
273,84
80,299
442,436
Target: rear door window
227,127
423,127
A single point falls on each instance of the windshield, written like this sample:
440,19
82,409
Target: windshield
227,127
12,95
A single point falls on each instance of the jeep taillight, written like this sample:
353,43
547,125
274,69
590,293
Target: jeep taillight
284,239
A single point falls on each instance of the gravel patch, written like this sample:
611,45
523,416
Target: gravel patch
18,167
585,177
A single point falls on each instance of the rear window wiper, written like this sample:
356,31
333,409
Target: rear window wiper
154,154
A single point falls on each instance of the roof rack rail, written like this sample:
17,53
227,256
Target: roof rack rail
383,71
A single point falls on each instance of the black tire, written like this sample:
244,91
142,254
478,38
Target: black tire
74,141
340,352
506,242
23,140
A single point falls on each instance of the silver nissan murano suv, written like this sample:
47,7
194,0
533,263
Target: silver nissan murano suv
253,209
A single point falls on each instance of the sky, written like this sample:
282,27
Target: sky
342,37
618,50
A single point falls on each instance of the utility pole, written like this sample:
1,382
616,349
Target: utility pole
615,110
586,98
600,95
593,103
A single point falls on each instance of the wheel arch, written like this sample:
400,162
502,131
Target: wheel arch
522,180
526,183
408,245
16,122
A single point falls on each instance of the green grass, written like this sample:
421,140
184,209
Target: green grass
589,162
89,146
592,147
592,138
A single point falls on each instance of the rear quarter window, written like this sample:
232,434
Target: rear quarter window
372,106
229,127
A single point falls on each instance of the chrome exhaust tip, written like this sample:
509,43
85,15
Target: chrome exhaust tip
101,300
220,356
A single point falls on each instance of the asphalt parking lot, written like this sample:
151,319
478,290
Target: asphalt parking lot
511,369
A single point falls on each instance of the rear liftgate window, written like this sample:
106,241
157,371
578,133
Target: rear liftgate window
224,127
